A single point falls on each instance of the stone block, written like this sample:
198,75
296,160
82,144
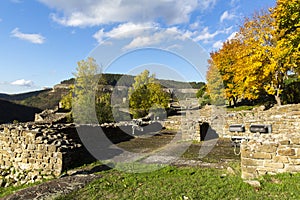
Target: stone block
295,161
295,140
265,170
249,169
246,175
251,162
246,153
281,159
293,168
261,155
41,147
286,152
273,165
31,146
268,148
51,148
284,142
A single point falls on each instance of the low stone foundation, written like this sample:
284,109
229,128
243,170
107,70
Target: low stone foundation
270,154
32,152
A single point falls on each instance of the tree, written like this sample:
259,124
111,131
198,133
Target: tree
66,101
103,108
286,16
84,91
215,86
145,94
203,96
226,61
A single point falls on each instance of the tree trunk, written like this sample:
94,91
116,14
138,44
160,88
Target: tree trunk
234,101
229,102
278,100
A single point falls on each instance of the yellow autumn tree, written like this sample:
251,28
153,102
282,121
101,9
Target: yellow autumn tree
226,62
286,16
262,70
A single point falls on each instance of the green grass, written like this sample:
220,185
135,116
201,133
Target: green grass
240,108
5,191
186,182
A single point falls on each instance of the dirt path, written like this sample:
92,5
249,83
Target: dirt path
54,188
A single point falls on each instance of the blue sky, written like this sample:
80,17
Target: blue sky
42,40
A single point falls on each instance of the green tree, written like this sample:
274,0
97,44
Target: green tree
145,94
86,83
203,96
103,108
215,86
66,101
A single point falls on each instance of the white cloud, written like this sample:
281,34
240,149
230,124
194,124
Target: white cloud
97,12
218,44
194,26
232,36
205,35
22,82
205,4
142,35
227,16
126,30
33,38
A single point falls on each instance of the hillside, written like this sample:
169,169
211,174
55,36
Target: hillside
21,107
10,111
22,96
127,80
45,100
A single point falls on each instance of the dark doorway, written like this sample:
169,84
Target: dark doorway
203,130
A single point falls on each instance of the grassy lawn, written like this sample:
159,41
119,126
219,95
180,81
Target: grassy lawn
186,183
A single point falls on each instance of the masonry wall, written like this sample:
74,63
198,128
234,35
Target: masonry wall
32,152
276,152
270,154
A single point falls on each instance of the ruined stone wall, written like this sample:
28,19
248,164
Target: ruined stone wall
283,119
32,152
276,152
270,154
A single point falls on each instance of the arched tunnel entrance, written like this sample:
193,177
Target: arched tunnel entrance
207,132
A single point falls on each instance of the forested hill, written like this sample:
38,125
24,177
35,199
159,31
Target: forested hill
22,96
127,80
22,107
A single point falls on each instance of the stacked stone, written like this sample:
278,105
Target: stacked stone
270,154
27,157
33,152
173,123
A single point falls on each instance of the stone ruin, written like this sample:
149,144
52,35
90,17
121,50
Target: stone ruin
32,152
271,153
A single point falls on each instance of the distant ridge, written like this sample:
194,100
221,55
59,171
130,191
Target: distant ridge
21,96
10,111
22,107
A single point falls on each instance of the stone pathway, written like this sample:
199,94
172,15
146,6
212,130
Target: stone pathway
61,186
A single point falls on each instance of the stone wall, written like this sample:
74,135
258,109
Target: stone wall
276,152
283,119
270,154
32,152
